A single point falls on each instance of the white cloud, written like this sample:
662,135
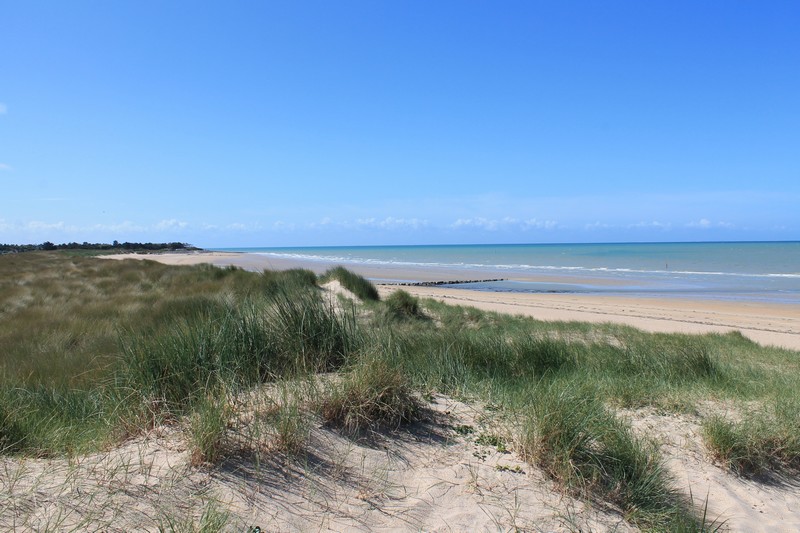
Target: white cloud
3,108
171,224
533,223
492,224
280,225
324,222
125,226
478,222
36,225
652,224
597,225
702,223
4,167
705,223
392,223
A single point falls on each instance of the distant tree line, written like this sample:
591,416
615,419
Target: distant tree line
116,245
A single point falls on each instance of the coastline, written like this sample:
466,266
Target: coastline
766,323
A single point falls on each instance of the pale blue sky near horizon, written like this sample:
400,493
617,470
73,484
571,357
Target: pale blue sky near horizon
232,124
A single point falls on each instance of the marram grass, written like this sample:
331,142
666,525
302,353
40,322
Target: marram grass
353,282
762,443
373,394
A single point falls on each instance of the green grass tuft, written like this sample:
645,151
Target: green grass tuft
12,435
401,305
373,394
208,425
580,444
358,285
762,443
291,427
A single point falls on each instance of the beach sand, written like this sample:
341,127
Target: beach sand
766,323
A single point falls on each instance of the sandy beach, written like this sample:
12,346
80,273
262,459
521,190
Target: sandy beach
766,323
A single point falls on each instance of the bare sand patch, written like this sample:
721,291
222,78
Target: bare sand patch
427,477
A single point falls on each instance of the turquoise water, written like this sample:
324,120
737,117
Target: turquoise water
766,271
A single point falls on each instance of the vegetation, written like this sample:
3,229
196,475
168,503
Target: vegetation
372,394
95,351
354,283
763,443
401,305
574,438
115,247
207,427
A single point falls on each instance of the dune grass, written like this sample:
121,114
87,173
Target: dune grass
401,305
290,425
578,442
95,351
237,346
763,443
354,283
208,426
372,394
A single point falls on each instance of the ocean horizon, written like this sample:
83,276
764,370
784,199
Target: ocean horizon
747,271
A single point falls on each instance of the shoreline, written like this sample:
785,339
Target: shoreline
767,323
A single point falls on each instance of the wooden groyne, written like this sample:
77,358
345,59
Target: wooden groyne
442,282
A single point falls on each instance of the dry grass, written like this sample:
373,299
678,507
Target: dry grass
60,316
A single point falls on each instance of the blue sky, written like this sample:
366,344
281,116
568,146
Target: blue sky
343,123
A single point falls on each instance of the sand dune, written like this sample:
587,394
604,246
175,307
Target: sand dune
428,477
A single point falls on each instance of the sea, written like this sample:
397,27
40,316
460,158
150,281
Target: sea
743,271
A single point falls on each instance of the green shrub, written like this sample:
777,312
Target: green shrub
543,356
674,358
195,355
45,421
235,345
273,281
